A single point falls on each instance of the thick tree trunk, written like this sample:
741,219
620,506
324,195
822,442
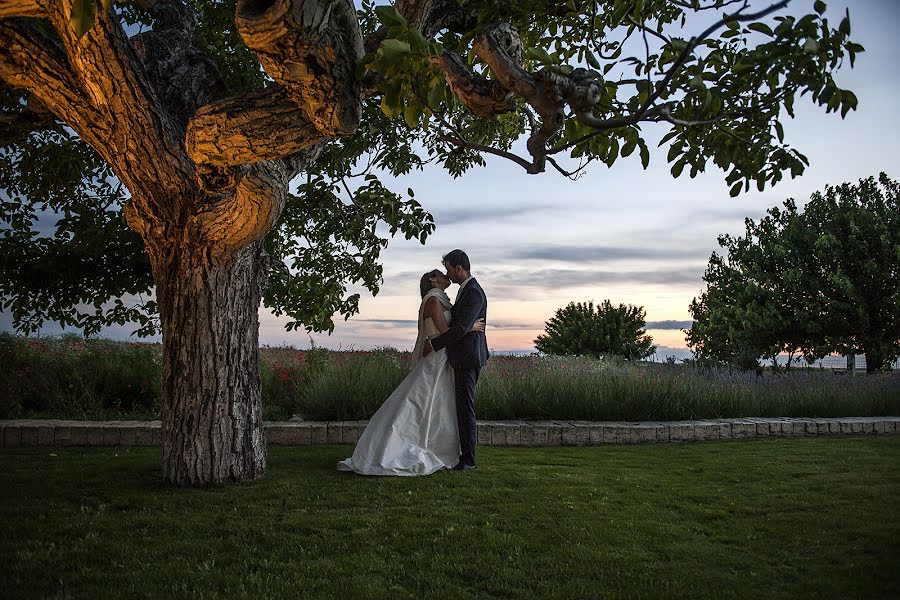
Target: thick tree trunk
211,404
875,360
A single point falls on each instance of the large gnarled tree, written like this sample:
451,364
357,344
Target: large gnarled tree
208,163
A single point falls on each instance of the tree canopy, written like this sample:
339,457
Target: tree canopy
441,82
581,330
813,281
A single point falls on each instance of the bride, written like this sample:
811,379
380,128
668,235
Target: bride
414,432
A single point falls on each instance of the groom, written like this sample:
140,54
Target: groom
467,351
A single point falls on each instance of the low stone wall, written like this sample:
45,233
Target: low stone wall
490,433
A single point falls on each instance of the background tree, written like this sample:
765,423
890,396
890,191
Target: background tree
207,117
816,281
580,330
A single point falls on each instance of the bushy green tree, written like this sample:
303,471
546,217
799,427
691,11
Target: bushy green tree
580,329
814,281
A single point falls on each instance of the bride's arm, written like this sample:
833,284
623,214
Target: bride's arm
435,312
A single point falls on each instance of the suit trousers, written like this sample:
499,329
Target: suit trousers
465,380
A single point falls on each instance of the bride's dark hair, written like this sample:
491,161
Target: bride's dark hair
425,283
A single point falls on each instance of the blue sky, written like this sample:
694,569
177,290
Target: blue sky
639,237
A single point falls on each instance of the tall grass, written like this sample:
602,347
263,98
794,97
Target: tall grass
71,377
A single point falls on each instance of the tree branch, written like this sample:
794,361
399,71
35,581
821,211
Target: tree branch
34,62
484,97
261,126
311,49
23,8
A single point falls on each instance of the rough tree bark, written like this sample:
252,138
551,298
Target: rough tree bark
208,178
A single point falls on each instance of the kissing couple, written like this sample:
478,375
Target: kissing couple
428,422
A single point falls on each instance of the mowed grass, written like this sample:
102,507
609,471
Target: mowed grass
789,518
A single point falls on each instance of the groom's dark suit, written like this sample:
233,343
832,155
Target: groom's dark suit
467,352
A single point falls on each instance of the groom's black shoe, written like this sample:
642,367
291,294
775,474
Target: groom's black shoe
463,467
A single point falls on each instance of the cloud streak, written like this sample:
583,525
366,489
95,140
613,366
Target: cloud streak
574,278
607,254
668,325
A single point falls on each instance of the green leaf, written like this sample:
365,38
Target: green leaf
819,7
844,27
435,94
390,110
391,50
540,55
389,16
735,189
83,14
761,28
412,114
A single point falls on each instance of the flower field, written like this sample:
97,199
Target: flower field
71,377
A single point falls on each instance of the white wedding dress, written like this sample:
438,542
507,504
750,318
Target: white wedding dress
414,432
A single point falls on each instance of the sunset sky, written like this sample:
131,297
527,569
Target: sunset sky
638,237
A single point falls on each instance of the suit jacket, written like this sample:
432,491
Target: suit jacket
465,349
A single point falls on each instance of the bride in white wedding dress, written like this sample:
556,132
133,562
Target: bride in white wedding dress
414,432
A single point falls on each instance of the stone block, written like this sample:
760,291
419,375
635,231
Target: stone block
781,428
845,427
724,429
361,425
706,430
62,435
810,427
554,433
483,433
619,434
763,428
526,434
797,427
29,435
576,433
111,434
333,432
143,434
743,429
93,435
12,436
600,433
681,431
350,432
128,434
539,431
317,433
513,433
45,435
302,434
642,433
498,433
662,432
282,434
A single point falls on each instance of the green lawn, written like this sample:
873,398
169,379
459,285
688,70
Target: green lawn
757,519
